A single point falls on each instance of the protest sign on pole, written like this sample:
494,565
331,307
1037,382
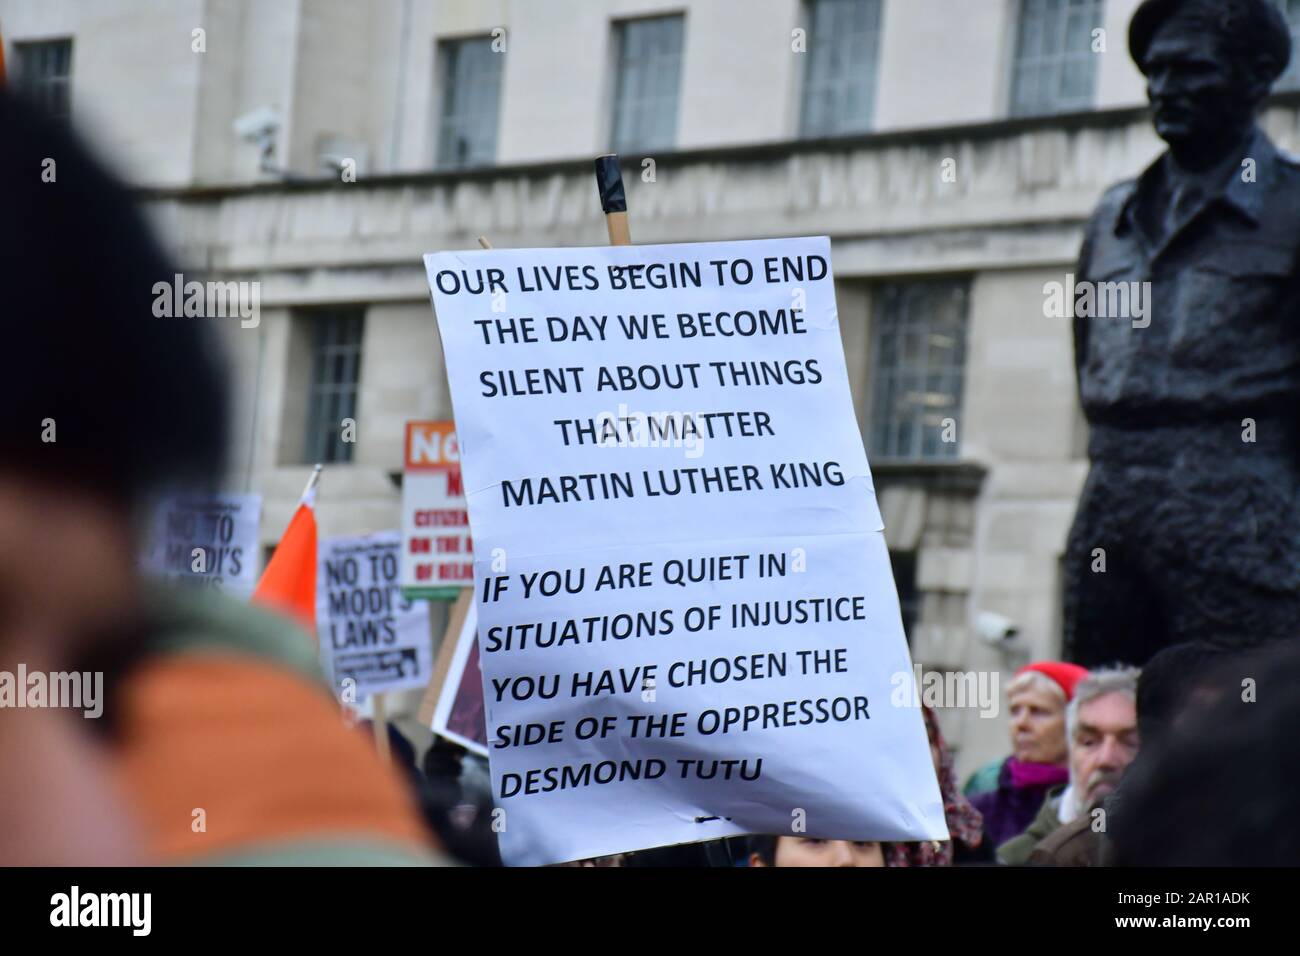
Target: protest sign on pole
687,620
458,714
369,633
437,554
206,539
456,612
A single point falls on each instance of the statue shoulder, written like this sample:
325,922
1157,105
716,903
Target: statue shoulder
1115,197
1108,207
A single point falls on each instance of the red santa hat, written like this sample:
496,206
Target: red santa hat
1065,675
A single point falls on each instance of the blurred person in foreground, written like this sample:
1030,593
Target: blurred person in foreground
1036,700
218,741
1101,724
1220,783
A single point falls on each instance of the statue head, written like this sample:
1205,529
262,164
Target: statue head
1209,65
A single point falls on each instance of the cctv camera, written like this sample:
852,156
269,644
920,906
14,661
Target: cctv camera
258,125
995,629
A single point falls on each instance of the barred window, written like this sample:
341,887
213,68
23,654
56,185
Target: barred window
839,90
470,77
43,73
647,79
335,373
918,333
1055,69
1290,80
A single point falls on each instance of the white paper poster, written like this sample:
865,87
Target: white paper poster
369,633
687,619
206,539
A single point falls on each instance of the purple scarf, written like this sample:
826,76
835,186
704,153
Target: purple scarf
1021,789
1036,774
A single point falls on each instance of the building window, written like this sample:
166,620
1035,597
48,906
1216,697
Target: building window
43,73
918,333
647,77
470,74
1055,67
335,371
1290,80
903,564
839,90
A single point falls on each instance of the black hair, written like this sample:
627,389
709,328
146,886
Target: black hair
132,401
443,759
1168,680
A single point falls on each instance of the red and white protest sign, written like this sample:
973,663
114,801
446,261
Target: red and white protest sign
437,554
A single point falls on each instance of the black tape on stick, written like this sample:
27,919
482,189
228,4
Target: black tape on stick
609,181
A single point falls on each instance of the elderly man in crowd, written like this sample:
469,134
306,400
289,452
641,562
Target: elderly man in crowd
1037,698
1101,725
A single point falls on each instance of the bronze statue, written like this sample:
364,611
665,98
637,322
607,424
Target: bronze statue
1189,525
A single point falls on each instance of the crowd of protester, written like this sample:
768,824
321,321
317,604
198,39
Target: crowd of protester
213,711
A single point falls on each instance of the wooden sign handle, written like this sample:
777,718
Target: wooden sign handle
379,721
613,200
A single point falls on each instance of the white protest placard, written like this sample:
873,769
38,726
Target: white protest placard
206,539
437,553
369,633
687,620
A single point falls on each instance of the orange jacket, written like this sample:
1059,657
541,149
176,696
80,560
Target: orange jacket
233,750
